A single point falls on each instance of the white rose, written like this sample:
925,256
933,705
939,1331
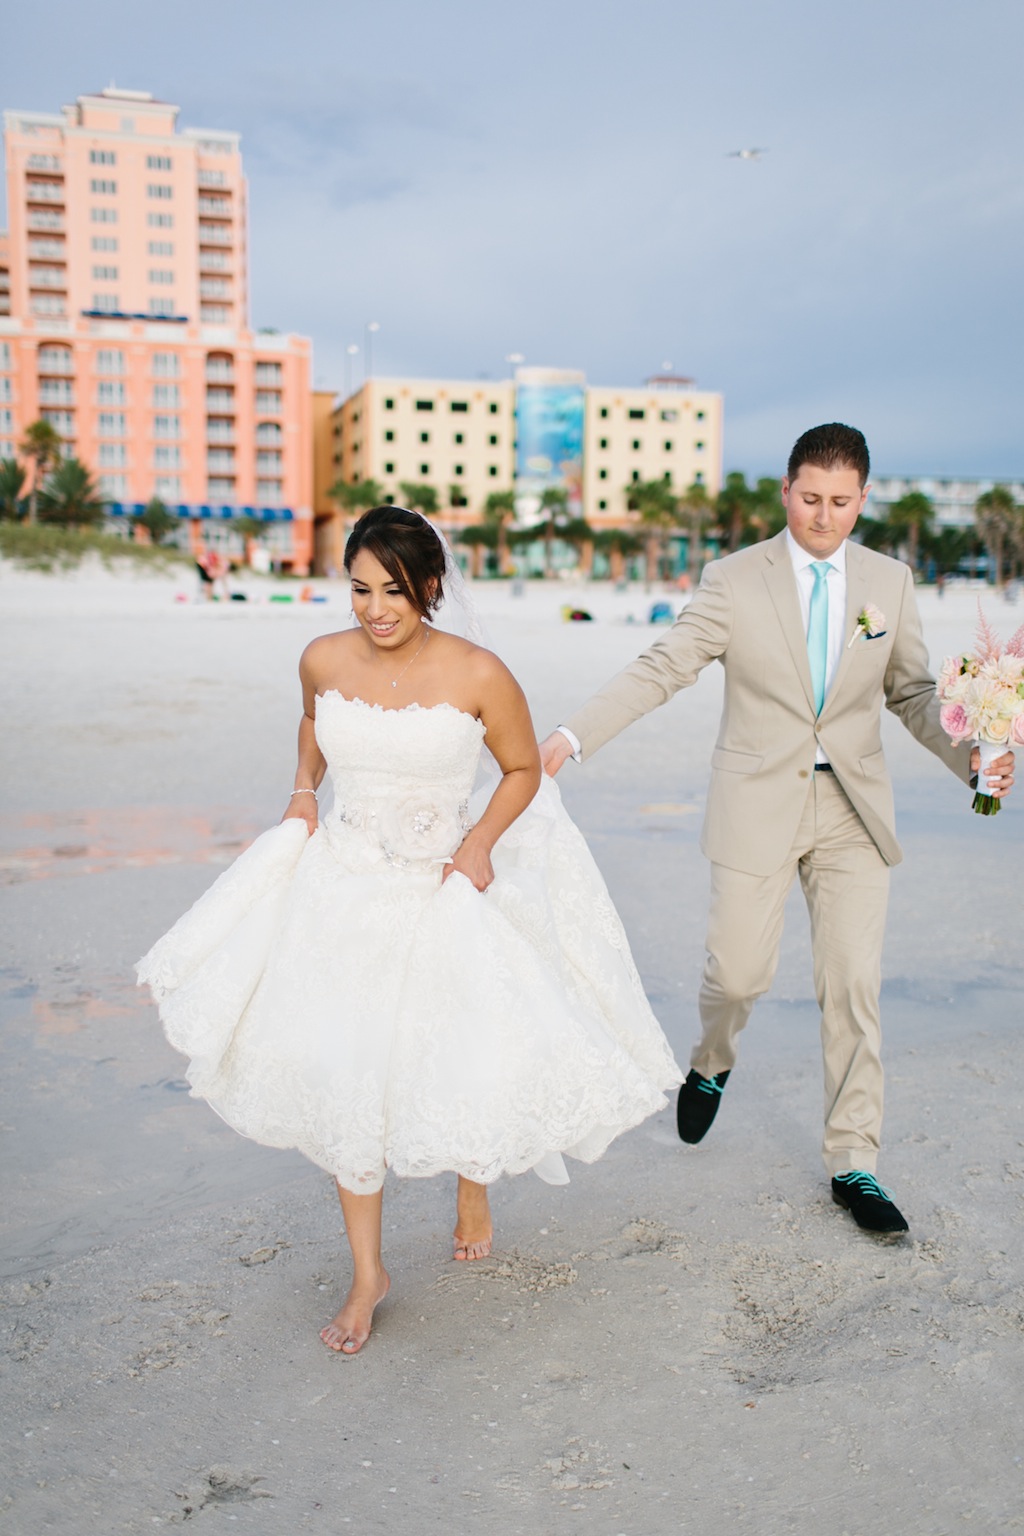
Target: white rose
420,827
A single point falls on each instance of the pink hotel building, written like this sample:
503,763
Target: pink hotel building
124,321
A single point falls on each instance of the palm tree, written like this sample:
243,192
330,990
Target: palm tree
554,504
696,507
157,521
618,544
997,515
71,496
420,498
357,497
659,514
12,483
500,509
767,514
478,538
733,507
911,518
578,533
41,444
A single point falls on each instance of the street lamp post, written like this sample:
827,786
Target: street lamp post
351,351
370,329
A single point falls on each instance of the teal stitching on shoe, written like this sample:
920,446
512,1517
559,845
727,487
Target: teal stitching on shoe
865,1183
710,1085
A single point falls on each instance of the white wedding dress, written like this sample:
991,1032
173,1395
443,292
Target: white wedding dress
333,995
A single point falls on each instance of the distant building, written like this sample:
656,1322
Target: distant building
124,320
953,498
469,438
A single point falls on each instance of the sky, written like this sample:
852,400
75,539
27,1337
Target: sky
553,178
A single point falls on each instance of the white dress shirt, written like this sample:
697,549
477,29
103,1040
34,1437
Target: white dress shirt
836,584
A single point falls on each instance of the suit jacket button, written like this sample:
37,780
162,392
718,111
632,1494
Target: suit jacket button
803,774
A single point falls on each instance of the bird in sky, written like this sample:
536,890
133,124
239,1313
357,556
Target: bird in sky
745,154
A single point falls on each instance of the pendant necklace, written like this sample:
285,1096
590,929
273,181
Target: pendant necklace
395,682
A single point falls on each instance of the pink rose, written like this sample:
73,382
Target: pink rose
1017,730
953,719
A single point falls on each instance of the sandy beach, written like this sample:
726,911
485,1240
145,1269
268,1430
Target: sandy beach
683,1340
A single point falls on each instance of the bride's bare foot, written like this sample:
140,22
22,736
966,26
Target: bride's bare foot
473,1231
349,1330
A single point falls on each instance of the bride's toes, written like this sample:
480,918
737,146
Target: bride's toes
349,1330
479,1250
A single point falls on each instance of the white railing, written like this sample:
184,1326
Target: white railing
43,163
214,234
217,205
47,277
39,218
43,192
55,360
210,178
56,392
220,373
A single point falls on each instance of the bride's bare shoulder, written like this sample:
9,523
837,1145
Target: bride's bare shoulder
325,652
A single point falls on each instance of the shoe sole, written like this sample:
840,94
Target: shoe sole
874,1231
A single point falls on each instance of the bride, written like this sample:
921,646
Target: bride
414,978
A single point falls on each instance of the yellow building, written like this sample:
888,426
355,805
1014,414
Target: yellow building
467,439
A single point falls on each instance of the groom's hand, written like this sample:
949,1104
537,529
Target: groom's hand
999,778
554,751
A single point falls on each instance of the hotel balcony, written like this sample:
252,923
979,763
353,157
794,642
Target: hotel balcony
42,218
220,432
215,207
214,261
47,277
44,163
56,392
58,360
44,191
215,234
218,372
212,179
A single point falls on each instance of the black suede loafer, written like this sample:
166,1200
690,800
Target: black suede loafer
697,1105
867,1202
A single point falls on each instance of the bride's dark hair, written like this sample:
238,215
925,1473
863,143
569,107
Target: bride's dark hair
408,549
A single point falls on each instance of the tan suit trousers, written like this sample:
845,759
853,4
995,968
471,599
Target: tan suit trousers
845,883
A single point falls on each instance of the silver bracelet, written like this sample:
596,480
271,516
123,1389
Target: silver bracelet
303,792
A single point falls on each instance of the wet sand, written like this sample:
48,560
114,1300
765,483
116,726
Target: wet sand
685,1339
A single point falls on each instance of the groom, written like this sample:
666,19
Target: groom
815,634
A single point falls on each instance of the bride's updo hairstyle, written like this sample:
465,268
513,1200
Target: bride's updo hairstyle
408,549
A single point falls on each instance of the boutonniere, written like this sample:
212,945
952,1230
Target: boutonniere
870,624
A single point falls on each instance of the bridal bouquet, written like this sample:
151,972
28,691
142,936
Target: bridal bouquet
983,700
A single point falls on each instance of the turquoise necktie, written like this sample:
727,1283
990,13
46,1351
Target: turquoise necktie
817,631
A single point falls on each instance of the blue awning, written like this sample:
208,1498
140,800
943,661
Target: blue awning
192,510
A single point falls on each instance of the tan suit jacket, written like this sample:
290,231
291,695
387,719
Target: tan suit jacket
746,614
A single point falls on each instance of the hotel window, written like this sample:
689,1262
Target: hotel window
460,437
165,365
670,415
698,446
636,445
493,440
635,477
637,414
221,459
110,392
47,304
493,408
217,485
159,189
168,487
7,390
268,492
166,426
160,220
424,469
112,455
219,399
161,275
268,373
161,307
113,487
667,477
424,405
104,242
213,314
389,436
389,469
268,400
602,442
602,506
602,474
102,157
424,437
269,460
158,162
106,302
668,446
492,470
51,359
103,215
268,432
161,248
166,456
459,405
61,421
389,405
603,413
109,360
105,274
700,415
97,185
111,424
459,469
165,395
698,478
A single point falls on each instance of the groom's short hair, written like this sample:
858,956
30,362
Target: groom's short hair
832,446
